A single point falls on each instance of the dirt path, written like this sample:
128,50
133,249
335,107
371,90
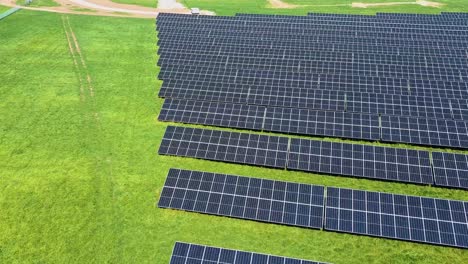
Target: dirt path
278,4
418,2
109,8
170,4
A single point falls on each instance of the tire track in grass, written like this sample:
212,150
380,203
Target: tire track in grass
75,62
80,55
103,180
81,67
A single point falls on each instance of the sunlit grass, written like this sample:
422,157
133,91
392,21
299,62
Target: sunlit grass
80,175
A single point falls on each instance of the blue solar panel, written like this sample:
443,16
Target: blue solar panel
362,161
286,120
242,197
244,148
322,123
413,218
213,113
450,169
185,253
424,131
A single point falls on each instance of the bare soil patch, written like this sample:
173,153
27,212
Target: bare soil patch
280,4
429,3
418,2
109,8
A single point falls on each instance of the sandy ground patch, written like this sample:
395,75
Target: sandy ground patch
429,3
169,4
109,8
419,2
280,4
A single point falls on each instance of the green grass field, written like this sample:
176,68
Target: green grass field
80,174
226,7
38,3
3,8
147,3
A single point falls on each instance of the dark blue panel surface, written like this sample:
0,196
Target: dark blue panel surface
226,146
360,161
213,113
450,169
425,131
242,197
413,218
184,253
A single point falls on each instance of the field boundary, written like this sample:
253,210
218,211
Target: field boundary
9,12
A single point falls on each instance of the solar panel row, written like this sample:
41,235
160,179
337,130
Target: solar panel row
281,24
269,151
361,161
207,78
305,64
187,253
297,94
300,55
428,51
322,67
354,160
411,218
287,120
243,197
287,20
420,38
312,40
295,26
413,130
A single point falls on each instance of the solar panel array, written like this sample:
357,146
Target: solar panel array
185,253
412,218
345,159
391,78
396,78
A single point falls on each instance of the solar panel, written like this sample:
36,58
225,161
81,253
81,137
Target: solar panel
213,113
319,23
207,81
185,253
362,161
244,148
424,131
450,169
320,67
400,105
322,123
242,197
287,120
266,95
306,58
413,218
431,51
334,36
